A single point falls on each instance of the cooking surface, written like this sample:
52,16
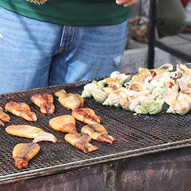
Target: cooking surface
136,134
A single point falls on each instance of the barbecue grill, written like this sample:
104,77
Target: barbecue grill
137,135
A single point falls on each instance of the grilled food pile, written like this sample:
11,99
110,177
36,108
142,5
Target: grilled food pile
146,92
23,152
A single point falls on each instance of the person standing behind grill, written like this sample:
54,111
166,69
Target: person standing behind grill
49,42
170,22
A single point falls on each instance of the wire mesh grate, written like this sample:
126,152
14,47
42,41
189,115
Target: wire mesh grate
136,134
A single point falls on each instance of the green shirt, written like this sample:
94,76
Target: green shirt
70,12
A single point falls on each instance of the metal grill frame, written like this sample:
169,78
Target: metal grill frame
134,133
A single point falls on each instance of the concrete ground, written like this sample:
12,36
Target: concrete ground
137,58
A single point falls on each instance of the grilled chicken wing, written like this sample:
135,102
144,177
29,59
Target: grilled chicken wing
45,102
98,132
86,115
81,141
60,93
3,117
71,101
1,123
21,110
32,132
64,123
23,153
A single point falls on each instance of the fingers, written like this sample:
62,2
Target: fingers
121,2
126,3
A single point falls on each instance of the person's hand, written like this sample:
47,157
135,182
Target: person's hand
126,3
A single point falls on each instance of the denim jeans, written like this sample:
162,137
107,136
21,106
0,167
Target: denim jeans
36,54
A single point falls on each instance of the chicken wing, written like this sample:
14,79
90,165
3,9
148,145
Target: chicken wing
3,117
86,115
71,101
98,132
45,102
60,93
64,123
29,131
21,110
81,141
1,123
23,153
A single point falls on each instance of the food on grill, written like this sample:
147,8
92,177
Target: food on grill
181,105
146,92
21,110
115,81
1,123
64,123
72,101
171,93
101,89
69,100
60,93
98,132
87,92
45,102
144,73
99,95
185,83
29,131
86,115
81,141
114,98
3,117
149,106
167,67
23,153
97,90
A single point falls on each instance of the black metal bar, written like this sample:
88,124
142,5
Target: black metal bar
152,24
172,51
153,42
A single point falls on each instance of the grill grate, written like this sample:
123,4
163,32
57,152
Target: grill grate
136,134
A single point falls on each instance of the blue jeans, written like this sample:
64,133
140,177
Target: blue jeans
36,54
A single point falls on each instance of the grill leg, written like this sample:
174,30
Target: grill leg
152,24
